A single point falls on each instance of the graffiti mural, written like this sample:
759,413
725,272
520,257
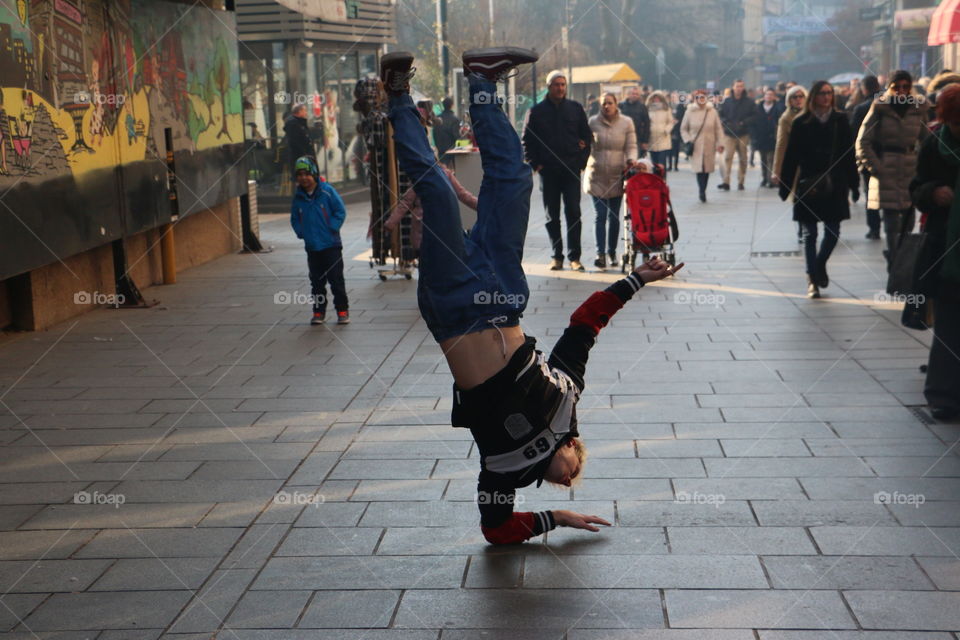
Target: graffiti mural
91,91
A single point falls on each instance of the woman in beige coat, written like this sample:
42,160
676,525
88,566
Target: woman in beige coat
796,98
661,125
887,146
701,126
614,150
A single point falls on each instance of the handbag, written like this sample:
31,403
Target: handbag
818,186
688,146
912,265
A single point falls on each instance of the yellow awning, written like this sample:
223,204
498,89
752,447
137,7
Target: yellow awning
603,73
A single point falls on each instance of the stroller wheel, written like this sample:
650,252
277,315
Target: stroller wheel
671,258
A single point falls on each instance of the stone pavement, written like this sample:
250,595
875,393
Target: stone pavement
213,466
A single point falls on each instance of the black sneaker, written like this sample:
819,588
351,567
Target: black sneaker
723,186
396,69
740,187
872,235
600,262
495,63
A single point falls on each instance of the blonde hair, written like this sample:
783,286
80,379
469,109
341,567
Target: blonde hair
580,450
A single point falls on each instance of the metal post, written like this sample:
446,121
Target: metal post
490,36
444,49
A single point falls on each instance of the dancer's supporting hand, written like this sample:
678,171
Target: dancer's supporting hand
575,520
656,269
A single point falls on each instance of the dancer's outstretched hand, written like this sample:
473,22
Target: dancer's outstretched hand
656,269
578,520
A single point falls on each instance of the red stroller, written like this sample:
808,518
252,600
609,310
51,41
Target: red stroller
649,223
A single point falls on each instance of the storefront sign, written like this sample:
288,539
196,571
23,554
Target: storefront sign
913,18
793,26
869,14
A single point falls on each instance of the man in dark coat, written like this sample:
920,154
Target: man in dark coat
765,132
870,88
635,108
556,143
297,133
736,114
446,131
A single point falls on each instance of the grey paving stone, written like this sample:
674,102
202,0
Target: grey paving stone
208,607
824,572
887,541
747,609
453,540
268,610
320,634
780,467
151,574
753,430
232,514
742,488
493,571
660,634
229,470
104,516
929,466
875,447
625,488
331,514
418,514
529,608
666,448
256,546
643,572
37,545
853,635
944,571
381,572
357,609
739,540
764,448
12,516
16,607
868,488
910,610
409,450
647,514
622,468
909,511
809,513
382,469
163,543
399,490
329,541
28,576
107,610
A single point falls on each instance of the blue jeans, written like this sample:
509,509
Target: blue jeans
831,235
469,282
608,215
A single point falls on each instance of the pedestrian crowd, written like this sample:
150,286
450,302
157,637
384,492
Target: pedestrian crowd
894,140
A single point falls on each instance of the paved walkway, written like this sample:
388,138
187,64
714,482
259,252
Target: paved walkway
214,465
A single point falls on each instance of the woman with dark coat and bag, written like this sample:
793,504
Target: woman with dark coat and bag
820,148
934,193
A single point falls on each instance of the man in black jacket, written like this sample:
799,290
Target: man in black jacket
870,88
297,132
634,107
446,131
556,143
736,114
765,133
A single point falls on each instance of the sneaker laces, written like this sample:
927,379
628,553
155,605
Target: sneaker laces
399,80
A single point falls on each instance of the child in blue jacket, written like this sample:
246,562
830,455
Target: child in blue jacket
316,217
